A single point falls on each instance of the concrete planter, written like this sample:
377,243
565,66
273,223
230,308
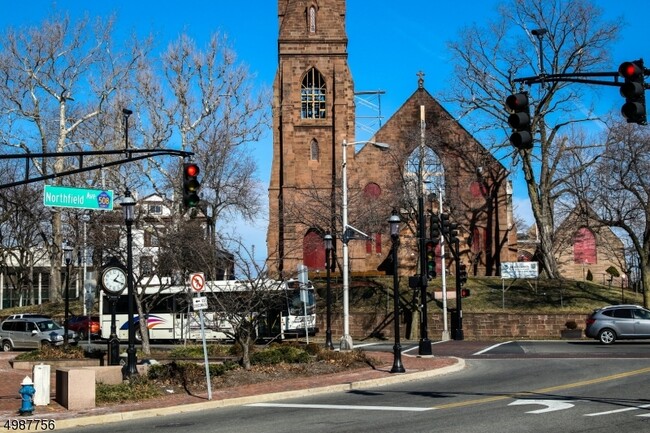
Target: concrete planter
571,334
73,363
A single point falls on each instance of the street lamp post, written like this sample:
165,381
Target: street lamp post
67,254
328,255
346,339
128,205
394,222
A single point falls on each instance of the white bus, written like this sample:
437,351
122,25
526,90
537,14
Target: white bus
170,316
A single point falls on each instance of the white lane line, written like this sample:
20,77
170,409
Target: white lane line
491,348
627,409
342,407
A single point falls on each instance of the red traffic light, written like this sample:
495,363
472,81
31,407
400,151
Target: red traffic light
629,70
191,170
517,102
464,293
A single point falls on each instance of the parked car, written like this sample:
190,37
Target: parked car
28,315
84,326
32,333
618,322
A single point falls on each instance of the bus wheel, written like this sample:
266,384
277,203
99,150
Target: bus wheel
138,336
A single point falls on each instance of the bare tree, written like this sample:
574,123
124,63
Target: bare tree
57,77
205,99
616,192
489,58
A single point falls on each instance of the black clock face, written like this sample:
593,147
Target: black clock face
114,280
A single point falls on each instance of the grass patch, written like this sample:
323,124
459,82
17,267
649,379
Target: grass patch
138,388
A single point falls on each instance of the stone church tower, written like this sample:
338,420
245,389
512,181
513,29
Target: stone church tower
314,114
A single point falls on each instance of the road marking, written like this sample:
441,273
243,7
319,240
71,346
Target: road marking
544,390
627,409
490,348
343,407
551,405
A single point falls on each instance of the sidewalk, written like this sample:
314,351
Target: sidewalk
416,368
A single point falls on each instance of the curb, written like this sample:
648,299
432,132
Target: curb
240,401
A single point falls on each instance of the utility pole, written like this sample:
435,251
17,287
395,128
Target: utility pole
425,344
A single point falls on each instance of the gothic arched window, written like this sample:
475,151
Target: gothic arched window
314,151
312,95
584,247
311,19
433,173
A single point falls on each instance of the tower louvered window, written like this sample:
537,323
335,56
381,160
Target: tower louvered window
313,95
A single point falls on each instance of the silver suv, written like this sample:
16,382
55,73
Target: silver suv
618,322
31,333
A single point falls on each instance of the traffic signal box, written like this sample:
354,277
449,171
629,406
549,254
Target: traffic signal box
462,278
633,90
430,250
520,121
434,229
190,185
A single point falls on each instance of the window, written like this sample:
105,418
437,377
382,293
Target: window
312,95
151,239
155,209
313,250
372,190
314,152
584,247
433,173
311,19
146,266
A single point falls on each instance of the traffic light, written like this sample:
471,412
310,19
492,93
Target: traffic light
434,228
633,90
464,293
462,274
430,249
190,185
519,120
444,224
453,232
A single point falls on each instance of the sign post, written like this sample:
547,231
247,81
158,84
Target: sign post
200,303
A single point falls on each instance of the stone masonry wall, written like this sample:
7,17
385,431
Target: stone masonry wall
476,326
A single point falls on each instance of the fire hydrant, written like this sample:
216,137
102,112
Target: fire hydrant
27,392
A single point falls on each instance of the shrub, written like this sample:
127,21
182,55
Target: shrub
571,324
187,373
196,351
47,352
278,353
137,388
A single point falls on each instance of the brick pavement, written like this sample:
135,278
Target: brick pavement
415,367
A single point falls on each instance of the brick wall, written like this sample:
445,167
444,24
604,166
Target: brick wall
476,326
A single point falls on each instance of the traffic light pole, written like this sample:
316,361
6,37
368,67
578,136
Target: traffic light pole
459,335
425,343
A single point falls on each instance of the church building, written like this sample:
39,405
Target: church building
420,155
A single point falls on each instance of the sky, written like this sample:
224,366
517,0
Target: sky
389,42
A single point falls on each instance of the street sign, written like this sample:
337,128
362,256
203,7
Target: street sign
197,281
78,198
200,303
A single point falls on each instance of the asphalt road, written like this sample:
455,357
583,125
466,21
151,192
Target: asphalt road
510,387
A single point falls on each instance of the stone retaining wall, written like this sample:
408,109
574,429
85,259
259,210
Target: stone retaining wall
476,326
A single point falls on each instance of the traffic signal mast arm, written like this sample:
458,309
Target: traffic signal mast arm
578,78
145,153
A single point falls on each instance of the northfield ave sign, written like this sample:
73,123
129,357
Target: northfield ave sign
78,198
